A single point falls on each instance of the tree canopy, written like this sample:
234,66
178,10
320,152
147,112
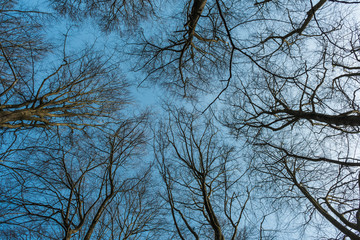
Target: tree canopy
257,125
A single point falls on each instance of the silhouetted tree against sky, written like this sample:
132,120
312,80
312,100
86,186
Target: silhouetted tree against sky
66,94
293,71
74,188
285,72
202,176
58,181
46,83
300,111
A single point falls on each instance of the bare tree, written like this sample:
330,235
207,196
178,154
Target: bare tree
202,178
191,54
43,87
302,117
71,189
63,183
74,93
292,70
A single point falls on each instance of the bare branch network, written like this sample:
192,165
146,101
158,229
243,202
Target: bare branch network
257,137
